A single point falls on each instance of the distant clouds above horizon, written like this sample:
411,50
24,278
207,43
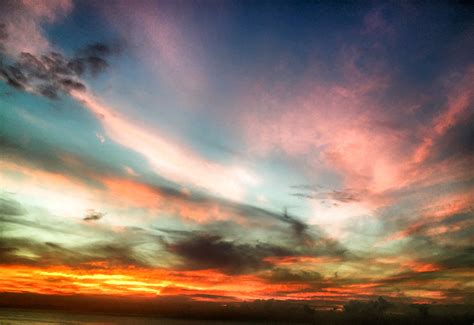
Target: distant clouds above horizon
238,150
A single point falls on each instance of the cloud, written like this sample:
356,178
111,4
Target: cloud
167,157
23,22
283,275
26,251
14,220
457,142
10,208
441,217
329,126
233,254
206,251
340,125
458,258
459,99
52,74
354,128
93,215
29,63
227,254
85,177
319,193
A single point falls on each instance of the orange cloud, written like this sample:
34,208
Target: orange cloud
432,214
65,194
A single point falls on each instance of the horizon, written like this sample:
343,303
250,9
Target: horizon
237,151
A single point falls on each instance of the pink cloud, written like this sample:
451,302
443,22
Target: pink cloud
460,99
23,24
332,126
341,127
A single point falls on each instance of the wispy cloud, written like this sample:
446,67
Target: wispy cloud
168,158
22,22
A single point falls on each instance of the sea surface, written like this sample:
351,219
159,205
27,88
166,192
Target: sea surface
41,317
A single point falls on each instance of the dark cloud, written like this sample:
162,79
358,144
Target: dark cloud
53,245
319,193
114,253
92,58
10,246
52,74
207,251
283,275
10,207
301,233
458,258
93,215
221,246
118,249
298,226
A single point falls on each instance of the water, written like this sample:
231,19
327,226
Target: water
40,317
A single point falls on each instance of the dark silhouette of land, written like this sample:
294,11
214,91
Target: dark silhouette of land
377,311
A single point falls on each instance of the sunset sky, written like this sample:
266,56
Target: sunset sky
237,150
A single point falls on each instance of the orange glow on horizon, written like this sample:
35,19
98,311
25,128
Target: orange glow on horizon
148,283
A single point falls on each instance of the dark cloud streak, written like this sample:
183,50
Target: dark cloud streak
282,275
347,195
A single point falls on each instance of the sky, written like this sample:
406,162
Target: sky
238,150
